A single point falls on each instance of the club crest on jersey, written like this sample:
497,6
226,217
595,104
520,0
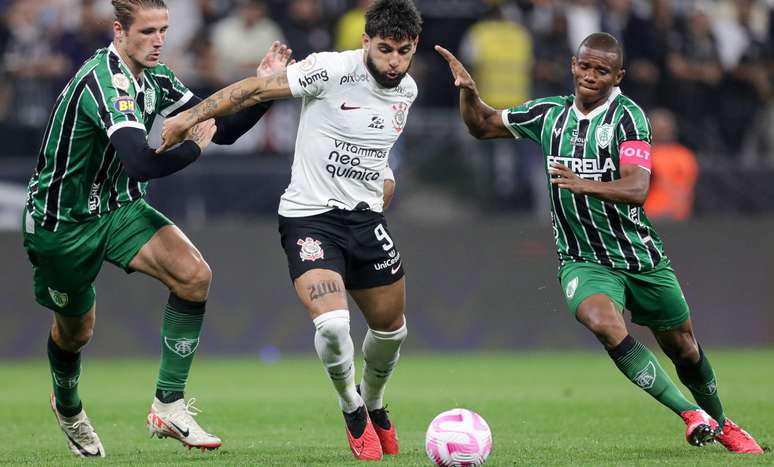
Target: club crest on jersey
182,346
61,299
604,135
399,119
124,104
646,377
310,249
572,286
150,101
120,81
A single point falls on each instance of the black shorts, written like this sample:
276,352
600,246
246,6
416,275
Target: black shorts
356,244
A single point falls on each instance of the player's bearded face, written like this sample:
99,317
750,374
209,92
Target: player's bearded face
595,73
143,41
388,61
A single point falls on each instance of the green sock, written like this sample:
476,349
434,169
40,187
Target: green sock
179,340
700,380
65,372
642,368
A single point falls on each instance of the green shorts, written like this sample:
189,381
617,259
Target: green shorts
65,263
653,297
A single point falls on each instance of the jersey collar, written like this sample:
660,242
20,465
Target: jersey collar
137,87
602,108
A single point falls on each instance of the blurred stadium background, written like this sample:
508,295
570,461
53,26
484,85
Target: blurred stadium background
471,218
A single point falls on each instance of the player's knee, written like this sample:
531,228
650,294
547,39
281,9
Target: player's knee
332,330
74,341
389,324
687,354
601,325
194,281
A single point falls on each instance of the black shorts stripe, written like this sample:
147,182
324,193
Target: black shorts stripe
62,156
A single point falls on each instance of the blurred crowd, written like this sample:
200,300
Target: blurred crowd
706,66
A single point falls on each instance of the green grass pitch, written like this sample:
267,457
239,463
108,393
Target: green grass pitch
544,409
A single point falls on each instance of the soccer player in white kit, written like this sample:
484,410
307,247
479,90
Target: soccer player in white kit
355,105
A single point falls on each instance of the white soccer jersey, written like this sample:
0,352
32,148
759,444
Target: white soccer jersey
347,127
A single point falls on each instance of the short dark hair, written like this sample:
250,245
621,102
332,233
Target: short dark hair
604,42
394,19
125,9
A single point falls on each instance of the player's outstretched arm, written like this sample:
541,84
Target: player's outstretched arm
233,98
631,188
482,121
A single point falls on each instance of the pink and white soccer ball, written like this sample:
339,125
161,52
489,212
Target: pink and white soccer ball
458,438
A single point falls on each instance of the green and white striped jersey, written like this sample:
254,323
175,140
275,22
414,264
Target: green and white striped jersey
78,175
587,229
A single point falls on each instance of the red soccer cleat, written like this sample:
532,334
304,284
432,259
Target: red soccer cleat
701,428
385,430
365,447
735,439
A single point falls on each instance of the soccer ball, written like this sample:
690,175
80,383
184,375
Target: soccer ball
458,438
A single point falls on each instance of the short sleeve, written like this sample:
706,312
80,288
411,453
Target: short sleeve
113,96
174,94
634,125
526,120
314,75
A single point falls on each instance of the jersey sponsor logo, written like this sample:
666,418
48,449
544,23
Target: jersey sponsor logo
646,377
377,122
572,286
399,119
182,346
61,299
150,101
353,78
585,168
344,106
94,200
400,89
124,104
350,169
315,75
360,151
310,249
604,135
120,81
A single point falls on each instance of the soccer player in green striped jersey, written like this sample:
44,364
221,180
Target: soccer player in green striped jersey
596,145
85,206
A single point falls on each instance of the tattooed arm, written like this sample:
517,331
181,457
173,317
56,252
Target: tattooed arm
231,99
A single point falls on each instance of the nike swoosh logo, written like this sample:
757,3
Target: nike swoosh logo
396,268
358,449
344,106
184,433
85,452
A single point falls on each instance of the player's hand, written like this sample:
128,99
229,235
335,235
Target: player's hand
563,177
462,78
202,133
276,60
174,132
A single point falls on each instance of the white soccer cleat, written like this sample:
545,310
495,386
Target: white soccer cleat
81,437
175,420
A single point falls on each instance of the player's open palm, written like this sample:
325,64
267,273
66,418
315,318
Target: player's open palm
275,60
462,78
202,133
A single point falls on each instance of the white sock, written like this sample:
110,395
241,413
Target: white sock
381,350
337,353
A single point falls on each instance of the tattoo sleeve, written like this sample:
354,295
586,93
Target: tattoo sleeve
321,289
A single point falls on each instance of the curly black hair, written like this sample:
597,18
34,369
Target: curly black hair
394,19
